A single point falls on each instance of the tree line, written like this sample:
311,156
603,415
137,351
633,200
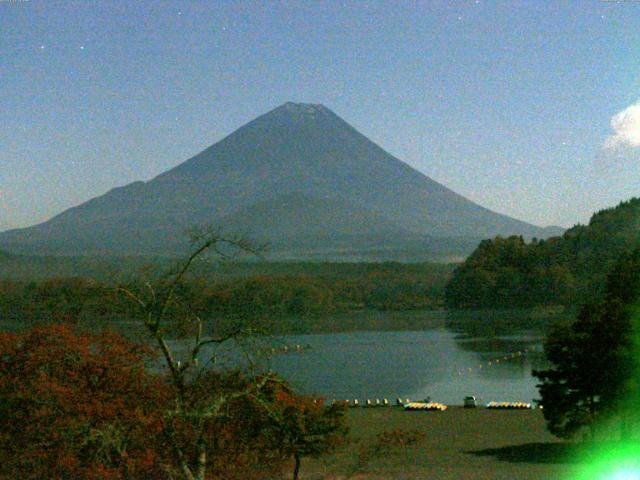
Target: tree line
510,272
248,293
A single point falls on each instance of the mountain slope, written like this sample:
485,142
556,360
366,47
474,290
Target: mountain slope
294,149
321,217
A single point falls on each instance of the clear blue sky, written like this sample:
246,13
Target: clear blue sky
508,103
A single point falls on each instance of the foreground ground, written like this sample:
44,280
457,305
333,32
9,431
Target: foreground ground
458,444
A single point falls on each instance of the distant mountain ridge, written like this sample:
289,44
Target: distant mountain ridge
294,172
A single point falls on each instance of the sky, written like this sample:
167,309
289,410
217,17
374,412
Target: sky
527,108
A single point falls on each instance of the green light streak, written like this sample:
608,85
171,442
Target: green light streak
614,462
618,460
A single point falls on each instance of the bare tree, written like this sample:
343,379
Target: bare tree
162,305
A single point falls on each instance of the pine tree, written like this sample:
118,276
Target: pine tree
595,359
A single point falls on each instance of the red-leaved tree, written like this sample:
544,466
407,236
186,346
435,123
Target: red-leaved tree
78,406
305,426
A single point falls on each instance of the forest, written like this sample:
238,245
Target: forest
283,293
511,273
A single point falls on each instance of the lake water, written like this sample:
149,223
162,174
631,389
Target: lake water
410,355
409,365
447,359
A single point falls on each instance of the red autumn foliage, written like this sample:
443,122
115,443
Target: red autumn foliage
77,406
240,441
306,427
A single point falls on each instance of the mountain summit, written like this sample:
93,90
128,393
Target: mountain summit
298,173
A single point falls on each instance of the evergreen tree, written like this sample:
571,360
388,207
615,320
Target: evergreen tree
595,359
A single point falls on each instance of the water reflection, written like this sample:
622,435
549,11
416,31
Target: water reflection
412,355
482,354
486,354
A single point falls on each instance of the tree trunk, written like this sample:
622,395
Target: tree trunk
202,464
186,471
296,468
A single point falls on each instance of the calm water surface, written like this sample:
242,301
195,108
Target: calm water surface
409,365
446,361
419,354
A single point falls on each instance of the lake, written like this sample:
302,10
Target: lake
487,355
405,354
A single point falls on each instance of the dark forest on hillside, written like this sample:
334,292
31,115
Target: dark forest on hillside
509,272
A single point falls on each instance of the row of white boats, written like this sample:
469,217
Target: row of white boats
427,404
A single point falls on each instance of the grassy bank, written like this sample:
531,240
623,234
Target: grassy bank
457,444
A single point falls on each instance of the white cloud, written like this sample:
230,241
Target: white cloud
626,128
